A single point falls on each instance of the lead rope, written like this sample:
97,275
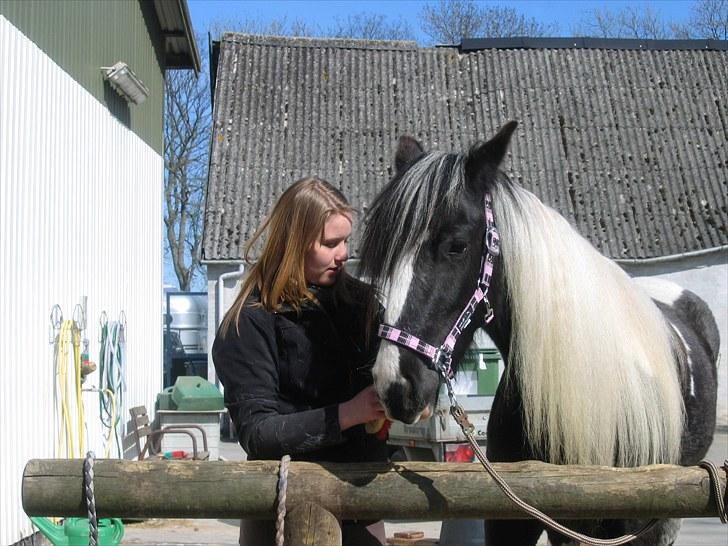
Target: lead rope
282,487
715,483
88,487
461,418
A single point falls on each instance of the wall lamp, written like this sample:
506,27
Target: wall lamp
125,82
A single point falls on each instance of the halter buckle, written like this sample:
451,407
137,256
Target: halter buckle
492,241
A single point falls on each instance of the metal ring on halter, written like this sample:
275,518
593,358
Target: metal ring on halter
492,241
443,361
488,311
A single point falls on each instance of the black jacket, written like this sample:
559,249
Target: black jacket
286,372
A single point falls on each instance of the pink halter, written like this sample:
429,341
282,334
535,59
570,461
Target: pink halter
441,358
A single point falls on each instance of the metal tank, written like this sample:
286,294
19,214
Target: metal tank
185,335
186,315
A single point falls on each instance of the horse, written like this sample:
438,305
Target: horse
600,369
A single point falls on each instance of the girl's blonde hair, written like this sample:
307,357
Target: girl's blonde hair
293,226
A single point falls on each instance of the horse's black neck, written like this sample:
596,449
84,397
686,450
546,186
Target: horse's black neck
499,328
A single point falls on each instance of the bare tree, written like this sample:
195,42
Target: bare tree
709,20
504,22
450,21
629,22
371,26
187,121
187,128
276,27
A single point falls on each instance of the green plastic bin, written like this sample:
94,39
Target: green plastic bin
190,393
164,400
484,362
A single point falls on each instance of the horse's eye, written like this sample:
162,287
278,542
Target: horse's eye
457,248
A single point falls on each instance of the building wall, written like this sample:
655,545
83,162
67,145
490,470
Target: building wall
80,215
82,36
706,276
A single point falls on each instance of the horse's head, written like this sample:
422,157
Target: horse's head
422,246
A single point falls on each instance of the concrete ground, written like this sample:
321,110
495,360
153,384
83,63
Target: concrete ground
695,532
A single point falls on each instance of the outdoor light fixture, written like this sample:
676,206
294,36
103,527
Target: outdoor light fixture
125,82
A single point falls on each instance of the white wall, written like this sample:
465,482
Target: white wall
80,215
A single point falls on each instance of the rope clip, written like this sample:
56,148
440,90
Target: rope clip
461,418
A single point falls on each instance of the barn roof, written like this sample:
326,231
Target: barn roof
628,144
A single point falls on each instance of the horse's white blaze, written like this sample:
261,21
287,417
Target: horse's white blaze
397,288
386,368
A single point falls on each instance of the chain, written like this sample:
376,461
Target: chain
461,418
88,487
282,486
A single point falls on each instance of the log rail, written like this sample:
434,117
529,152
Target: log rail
407,490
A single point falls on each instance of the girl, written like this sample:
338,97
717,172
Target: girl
293,351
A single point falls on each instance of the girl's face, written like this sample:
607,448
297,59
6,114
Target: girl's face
326,257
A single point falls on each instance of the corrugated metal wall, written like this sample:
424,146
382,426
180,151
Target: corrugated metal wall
82,36
80,215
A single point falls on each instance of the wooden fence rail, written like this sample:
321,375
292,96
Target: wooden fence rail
407,490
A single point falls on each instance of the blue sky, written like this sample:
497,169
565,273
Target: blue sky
323,13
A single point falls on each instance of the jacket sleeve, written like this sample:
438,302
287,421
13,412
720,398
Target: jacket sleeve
247,364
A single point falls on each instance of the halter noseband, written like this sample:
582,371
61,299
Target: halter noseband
440,358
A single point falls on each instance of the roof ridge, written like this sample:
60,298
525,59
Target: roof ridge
308,41
521,42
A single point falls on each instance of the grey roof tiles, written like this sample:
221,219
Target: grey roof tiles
629,145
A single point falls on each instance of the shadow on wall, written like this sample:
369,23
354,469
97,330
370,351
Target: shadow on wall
117,105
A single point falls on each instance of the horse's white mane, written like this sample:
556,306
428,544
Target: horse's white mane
592,353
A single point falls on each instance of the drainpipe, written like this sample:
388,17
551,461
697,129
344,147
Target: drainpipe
672,257
221,290
220,287
220,313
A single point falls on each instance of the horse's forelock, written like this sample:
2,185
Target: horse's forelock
401,214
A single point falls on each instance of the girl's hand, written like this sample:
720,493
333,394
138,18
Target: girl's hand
364,407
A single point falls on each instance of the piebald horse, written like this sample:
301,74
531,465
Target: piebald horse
600,369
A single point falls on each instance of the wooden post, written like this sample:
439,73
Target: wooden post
411,490
309,524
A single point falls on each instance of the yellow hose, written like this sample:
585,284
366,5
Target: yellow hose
69,334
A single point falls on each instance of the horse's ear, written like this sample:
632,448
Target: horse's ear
408,151
491,153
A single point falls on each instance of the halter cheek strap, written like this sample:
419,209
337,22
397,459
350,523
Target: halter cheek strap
440,358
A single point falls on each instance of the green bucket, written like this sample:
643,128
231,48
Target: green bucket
75,532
